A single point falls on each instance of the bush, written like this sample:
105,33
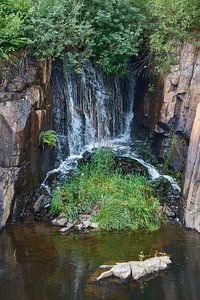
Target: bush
108,32
12,13
173,21
118,26
126,202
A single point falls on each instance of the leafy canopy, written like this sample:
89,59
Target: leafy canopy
108,32
173,21
12,14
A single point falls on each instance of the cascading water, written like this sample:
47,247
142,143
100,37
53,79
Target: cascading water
93,110
90,110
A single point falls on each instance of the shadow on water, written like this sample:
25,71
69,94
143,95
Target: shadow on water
36,262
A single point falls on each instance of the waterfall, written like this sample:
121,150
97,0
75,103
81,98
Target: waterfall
94,110
90,108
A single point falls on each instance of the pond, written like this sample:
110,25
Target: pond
38,263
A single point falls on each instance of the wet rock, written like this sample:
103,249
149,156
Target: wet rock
80,226
94,225
86,158
67,228
86,223
60,221
42,202
52,178
168,212
136,270
129,165
7,191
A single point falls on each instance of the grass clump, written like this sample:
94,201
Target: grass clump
125,202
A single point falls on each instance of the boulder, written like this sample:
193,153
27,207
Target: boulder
136,270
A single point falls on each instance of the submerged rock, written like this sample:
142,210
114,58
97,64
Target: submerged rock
136,270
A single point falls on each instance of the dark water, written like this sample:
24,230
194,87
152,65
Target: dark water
38,263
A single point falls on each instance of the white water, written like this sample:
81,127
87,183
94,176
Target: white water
96,117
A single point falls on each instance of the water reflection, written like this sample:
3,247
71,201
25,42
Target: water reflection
36,262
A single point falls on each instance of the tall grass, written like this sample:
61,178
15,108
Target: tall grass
125,202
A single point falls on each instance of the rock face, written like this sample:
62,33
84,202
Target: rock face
180,121
181,93
181,98
24,113
173,115
192,177
168,106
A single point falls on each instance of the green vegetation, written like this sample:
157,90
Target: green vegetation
108,32
12,15
173,22
49,137
125,202
118,27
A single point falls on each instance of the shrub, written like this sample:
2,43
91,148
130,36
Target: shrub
12,13
118,26
108,32
173,21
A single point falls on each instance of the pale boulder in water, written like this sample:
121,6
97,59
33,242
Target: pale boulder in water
136,270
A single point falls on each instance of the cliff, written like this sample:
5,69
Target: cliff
172,113
192,177
25,111
180,113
